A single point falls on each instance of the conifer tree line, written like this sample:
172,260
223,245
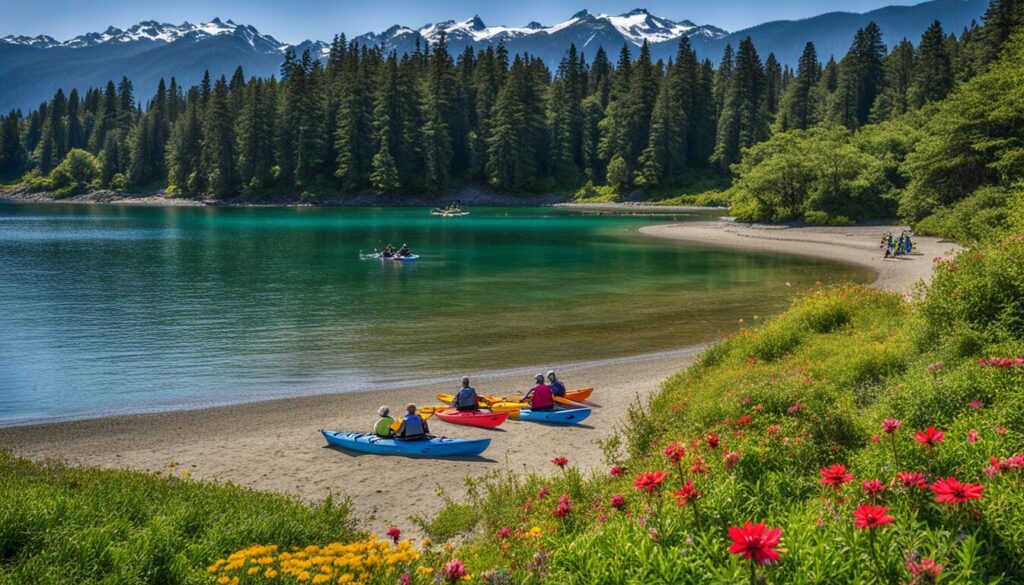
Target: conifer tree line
363,120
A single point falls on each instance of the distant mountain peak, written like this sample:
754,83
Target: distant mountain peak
636,11
534,25
582,14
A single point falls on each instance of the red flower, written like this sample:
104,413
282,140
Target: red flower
743,420
504,532
560,461
951,491
687,494
699,467
972,436
394,533
730,458
926,571
868,516
618,502
912,479
649,482
795,408
756,542
543,493
712,440
675,452
834,476
615,471
876,438
930,437
891,425
872,487
454,570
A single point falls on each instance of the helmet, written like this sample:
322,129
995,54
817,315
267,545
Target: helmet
551,375
539,378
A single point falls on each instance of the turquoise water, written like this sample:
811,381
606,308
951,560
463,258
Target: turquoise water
112,309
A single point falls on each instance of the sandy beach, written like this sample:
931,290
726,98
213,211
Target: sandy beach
855,245
275,445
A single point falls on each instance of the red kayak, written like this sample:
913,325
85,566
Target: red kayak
472,418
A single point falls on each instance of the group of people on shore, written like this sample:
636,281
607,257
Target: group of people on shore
894,246
390,252
413,426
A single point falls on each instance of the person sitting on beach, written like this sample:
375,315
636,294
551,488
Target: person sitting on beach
404,250
413,425
466,398
540,396
556,385
382,428
388,252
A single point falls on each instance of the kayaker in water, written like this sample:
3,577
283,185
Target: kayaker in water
557,387
540,396
413,425
388,252
404,251
382,428
466,398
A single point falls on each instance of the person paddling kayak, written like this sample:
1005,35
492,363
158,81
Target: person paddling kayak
466,398
540,396
404,251
382,428
557,387
413,425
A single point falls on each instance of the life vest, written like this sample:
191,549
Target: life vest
466,398
382,427
541,397
558,388
413,426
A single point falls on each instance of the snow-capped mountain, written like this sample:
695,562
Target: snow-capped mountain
584,29
156,32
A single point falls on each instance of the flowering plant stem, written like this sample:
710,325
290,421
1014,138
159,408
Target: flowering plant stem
895,452
753,573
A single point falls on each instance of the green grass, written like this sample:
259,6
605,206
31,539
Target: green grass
68,525
804,391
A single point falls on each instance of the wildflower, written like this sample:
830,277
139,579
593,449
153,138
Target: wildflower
867,516
951,491
454,570
936,366
743,420
730,458
712,440
563,508
394,533
699,467
756,542
891,425
976,405
615,471
542,493
912,479
872,487
1001,430
504,533
618,502
926,571
834,476
675,452
875,438
773,429
560,461
795,408
686,494
972,436
649,482
929,438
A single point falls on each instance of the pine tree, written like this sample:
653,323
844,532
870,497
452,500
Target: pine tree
933,69
797,110
183,150
773,84
384,177
1002,19
744,118
899,71
518,123
53,139
75,132
256,137
439,99
12,153
667,147
353,137
861,78
217,154
105,119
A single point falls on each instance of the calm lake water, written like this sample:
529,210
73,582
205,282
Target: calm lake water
131,309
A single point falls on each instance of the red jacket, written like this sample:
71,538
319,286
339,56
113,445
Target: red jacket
541,396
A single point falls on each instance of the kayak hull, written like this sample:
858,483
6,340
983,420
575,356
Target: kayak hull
570,416
472,418
579,395
433,447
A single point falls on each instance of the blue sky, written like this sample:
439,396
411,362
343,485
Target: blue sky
296,20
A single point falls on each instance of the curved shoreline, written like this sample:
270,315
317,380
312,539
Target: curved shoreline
853,245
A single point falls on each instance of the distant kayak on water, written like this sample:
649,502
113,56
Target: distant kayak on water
382,257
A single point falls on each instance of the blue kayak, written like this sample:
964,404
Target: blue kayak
569,416
433,447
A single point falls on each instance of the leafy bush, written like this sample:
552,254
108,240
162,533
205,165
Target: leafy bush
981,216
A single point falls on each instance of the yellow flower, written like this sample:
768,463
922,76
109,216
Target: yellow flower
423,570
224,580
303,576
346,578
252,570
185,474
270,573
321,578
426,543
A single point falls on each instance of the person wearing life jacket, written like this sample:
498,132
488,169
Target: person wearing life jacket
466,399
388,252
404,251
540,396
557,387
413,426
382,428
